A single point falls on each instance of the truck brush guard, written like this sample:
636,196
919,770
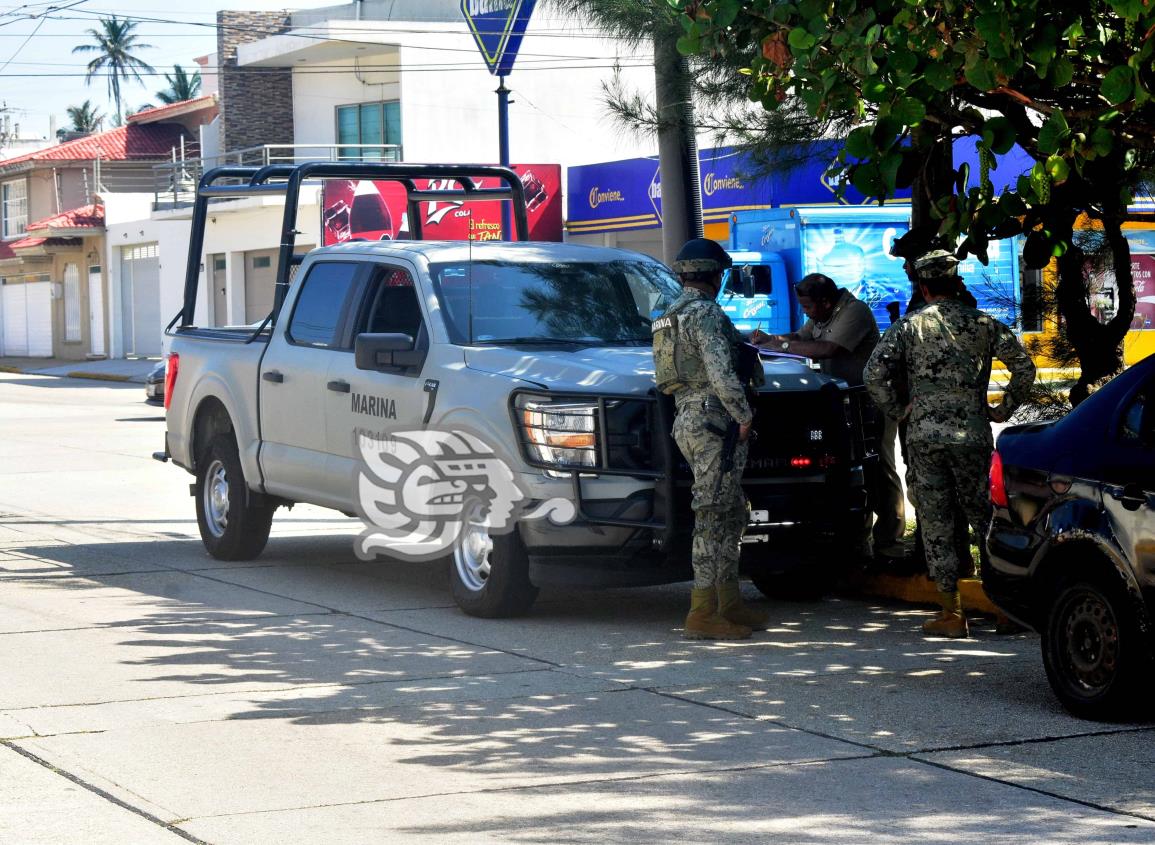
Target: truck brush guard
583,435
286,180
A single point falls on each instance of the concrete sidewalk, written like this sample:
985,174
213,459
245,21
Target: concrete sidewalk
118,369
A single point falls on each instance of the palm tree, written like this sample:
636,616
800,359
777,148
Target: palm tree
181,86
115,42
85,117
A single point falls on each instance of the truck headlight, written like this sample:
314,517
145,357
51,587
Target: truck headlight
561,434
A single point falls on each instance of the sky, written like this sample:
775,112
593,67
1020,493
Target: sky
41,77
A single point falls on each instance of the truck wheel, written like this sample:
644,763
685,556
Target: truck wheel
1093,651
232,528
489,574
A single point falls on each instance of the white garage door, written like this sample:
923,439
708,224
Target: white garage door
27,313
140,300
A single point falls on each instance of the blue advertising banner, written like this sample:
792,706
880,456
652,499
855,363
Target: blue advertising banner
627,194
498,27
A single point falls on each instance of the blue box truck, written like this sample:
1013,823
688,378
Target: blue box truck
773,248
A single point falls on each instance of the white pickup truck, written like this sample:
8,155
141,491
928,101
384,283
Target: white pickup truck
540,350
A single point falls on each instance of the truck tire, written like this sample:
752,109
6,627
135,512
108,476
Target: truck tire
489,574
232,527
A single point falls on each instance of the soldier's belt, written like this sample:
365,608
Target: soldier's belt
713,403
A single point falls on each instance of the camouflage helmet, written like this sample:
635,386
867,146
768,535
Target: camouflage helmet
702,255
936,264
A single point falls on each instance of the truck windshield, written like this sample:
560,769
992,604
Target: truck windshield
595,303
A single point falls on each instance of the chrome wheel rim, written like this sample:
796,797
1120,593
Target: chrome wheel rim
1092,643
216,499
472,555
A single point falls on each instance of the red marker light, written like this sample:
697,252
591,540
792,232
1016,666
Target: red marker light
998,484
800,461
171,368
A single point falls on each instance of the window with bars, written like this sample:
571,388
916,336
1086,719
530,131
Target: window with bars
13,208
369,123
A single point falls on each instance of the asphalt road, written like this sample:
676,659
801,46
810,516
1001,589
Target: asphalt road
152,694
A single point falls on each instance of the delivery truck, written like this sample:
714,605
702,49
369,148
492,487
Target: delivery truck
773,248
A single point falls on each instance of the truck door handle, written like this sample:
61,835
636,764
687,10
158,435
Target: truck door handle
275,376
340,386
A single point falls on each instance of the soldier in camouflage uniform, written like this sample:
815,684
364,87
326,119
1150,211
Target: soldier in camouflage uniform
696,360
944,350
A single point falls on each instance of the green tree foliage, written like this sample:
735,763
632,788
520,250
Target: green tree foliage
115,42
181,86
1070,83
773,140
85,117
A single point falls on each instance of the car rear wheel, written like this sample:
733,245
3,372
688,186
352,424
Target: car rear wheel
489,574
1093,651
232,526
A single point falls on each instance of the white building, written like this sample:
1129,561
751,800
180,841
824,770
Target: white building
403,77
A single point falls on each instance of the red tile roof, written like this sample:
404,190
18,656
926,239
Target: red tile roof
149,115
86,217
27,243
6,251
150,141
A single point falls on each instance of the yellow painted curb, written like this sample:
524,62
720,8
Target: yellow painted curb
98,376
918,589
16,370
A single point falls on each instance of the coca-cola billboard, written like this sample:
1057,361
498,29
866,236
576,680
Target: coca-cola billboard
378,211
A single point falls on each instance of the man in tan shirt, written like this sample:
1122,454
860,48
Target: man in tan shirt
839,335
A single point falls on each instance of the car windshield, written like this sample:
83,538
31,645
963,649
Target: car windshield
600,303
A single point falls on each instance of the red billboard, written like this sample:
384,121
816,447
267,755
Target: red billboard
378,211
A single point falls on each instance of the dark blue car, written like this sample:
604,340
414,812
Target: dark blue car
1072,543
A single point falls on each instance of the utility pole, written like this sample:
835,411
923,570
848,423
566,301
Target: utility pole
677,147
5,125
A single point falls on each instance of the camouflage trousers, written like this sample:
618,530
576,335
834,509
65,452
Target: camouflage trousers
720,510
943,479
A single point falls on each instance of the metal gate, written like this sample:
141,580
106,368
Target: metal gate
141,323
27,310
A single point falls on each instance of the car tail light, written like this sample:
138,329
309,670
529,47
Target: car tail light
998,484
171,368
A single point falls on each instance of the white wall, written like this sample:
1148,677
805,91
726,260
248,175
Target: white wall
450,114
318,92
171,237
233,228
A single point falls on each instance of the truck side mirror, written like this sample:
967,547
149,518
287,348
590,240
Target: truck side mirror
747,276
387,352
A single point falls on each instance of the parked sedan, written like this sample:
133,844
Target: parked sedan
154,385
1072,543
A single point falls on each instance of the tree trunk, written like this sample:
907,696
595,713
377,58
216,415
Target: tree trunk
1098,345
677,147
935,177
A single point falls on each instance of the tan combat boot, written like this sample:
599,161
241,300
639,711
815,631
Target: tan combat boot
951,621
703,621
732,609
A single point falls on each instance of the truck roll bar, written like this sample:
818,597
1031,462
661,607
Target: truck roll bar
286,179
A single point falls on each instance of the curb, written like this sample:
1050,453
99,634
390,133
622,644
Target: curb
98,376
918,589
116,377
